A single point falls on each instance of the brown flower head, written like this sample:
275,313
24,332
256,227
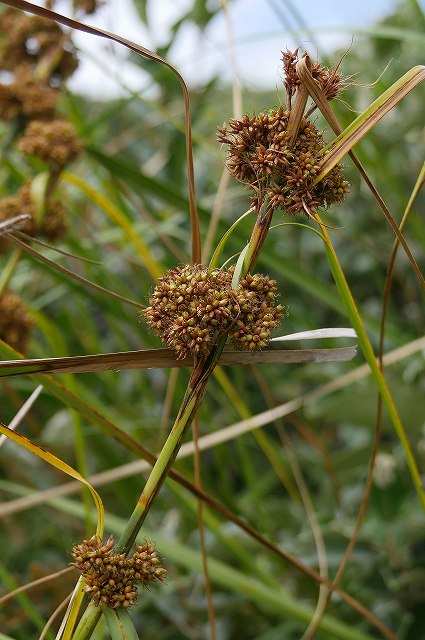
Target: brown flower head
259,314
280,175
53,223
56,142
192,307
111,578
15,323
33,40
26,97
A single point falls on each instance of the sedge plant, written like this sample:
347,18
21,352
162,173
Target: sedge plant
203,312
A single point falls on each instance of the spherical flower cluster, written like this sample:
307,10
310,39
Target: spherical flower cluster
15,323
26,97
56,142
259,315
192,307
53,224
281,175
32,39
111,579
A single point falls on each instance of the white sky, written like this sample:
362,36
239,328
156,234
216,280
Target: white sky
259,37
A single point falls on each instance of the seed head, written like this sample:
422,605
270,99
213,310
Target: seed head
331,81
56,142
259,314
190,308
15,323
31,40
280,176
111,578
27,97
53,226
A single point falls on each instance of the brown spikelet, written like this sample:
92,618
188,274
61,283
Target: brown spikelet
331,81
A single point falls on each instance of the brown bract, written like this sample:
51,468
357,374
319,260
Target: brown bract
192,307
110,578
331,81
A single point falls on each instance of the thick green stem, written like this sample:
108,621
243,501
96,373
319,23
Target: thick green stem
192,400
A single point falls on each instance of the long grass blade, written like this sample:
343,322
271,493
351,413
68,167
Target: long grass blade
164,358
54,265
56,462
367,350
117,216
323,104
119,624
337,149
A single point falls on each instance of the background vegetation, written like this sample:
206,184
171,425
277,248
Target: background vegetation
296,480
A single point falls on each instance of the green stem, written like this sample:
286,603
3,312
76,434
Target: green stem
87,623
191,401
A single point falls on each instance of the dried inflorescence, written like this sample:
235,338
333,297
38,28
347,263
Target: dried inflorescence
192,307
15,323
56,142
111,579
331,81
27,97
259,314
281,175
34,40
51,224
280,167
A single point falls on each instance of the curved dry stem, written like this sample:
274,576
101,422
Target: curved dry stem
141,51
35,583
54,615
